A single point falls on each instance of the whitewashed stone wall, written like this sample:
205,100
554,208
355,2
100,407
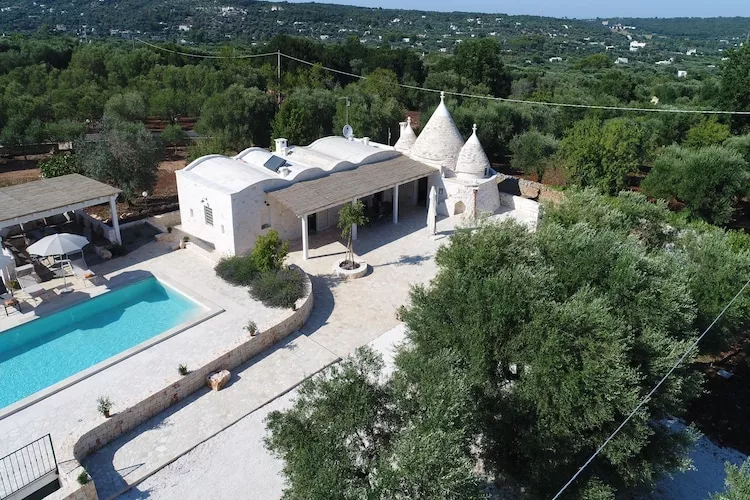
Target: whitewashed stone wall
249,213
193,196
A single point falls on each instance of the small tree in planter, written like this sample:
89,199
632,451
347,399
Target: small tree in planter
182,369
350,214
104,405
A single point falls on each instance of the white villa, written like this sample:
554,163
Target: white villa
228,201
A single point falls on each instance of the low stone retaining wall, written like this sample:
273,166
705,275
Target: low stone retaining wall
126,420
529,189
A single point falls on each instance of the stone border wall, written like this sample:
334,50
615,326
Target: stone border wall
126,420
528,189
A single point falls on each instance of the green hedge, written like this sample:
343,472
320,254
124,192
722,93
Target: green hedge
278,288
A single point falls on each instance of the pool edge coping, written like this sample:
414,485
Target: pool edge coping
211,310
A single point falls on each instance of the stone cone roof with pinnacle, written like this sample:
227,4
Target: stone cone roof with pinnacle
439,142
407,138
472,160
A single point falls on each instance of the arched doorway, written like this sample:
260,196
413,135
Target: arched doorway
459,208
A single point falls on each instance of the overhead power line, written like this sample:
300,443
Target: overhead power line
463,94
204,56
653,391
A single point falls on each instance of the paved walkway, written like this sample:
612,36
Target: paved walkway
349,314
162,439
235,463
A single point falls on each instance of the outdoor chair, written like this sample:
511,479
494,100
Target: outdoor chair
29,283
81,271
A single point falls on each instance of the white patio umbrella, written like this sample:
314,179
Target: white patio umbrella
58,244
432,212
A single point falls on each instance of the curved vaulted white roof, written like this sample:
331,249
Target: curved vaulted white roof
472,160
324,156
407,137
439,142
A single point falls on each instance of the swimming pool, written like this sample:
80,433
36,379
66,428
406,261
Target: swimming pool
45,351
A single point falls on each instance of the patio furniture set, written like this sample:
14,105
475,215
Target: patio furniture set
60,254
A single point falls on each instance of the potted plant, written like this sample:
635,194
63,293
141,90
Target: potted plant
83,477
184,241
252,328
349,215
182,369
104,405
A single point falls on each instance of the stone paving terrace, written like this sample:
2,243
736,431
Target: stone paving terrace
346,315
69,413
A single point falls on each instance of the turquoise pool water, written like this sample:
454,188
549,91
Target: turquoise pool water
45,351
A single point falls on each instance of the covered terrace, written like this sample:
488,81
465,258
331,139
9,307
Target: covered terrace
311,197
36,200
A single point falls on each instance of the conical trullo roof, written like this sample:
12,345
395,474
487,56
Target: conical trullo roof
407,138
472,160
440,141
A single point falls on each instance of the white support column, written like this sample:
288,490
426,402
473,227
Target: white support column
354,226
115,219
395,204
305,242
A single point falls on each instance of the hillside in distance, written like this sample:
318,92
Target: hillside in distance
254,22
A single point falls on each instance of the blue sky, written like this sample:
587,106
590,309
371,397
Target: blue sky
574,8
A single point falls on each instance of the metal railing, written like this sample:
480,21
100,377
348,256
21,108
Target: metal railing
26,465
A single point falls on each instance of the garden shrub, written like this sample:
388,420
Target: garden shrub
57,165
238,270
280,288
269,252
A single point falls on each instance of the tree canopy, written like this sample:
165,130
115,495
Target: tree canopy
707,180
126,155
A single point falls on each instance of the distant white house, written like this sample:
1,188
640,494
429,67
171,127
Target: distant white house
682,74
555,59
183,27
621,60
664,62
324,37
691,52
636,45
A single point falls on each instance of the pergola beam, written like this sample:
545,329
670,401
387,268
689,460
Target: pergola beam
395,204
305,239
53,211
115,219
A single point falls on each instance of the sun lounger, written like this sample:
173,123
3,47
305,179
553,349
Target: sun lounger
30,284
81,271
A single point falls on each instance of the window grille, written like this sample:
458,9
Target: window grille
208,215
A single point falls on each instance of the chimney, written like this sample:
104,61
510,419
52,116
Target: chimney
281,146
366,141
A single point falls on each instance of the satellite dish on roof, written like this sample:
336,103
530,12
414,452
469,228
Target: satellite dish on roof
348,131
